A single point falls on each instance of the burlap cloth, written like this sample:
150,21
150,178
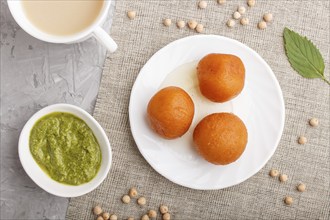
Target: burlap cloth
260,197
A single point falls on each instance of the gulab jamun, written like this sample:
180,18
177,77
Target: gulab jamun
220,138
170,112
221,76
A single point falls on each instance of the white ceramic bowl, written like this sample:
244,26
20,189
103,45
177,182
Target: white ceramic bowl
40,177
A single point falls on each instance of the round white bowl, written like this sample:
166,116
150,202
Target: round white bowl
40,177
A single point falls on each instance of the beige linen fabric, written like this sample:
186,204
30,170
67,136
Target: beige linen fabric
260,197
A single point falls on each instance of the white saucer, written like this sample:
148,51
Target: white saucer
260,106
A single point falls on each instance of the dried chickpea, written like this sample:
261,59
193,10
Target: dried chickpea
230,23
99,218
301,187
130,218
106,215
302,140
236,15
152,214
145,217
241,9
288,200
221,2
113,217
133,192
244,21
141,201
166,216
167,22
199,28
163,209
202,4
262,25
283,177
273,173
192,24
268,17
131,14
251,3
314,122
97,210
126,199
180,24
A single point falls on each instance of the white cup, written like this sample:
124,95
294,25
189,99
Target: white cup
95,29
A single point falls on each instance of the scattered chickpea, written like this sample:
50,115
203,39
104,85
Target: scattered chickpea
241,9
192,24
99,218
126,199
166,216
130,218
301,187
163,209
283,177
145,217
202,4
133,192
106,215
152,214
251,3
142,201
314,122
113,217
181,24
97,210
244,21
167,22
230,23
273,173
302,140
131,14
288,200
262,25
221,2
268,17
199,28
236,15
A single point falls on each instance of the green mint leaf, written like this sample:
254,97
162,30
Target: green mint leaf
303,55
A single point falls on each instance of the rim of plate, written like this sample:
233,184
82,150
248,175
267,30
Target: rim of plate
204,37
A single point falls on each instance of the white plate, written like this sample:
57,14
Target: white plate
260,106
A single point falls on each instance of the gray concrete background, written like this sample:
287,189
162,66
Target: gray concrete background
35,74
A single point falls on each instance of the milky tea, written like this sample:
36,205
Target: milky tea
62,17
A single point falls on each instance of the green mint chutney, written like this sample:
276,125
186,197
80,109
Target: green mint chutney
65,148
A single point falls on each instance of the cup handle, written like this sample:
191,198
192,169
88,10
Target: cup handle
104,38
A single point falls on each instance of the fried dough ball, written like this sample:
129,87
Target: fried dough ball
220,138
170,112
221,76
